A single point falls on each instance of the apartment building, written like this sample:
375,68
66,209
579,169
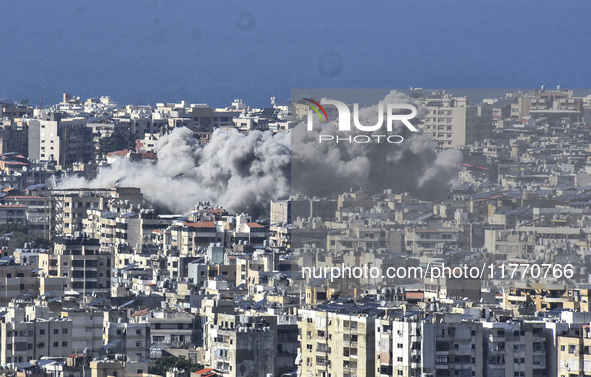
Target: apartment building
69,206
189,236
16,279
87,327
409,344
431,241
171,329
337,339
515,348
241,344
574,354
12,137
120,336
28,333
453,121
60,140
548,296
37,212
552,105
80,261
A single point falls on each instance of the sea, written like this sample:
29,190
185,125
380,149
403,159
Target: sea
215,51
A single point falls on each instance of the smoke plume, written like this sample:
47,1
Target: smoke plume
414,165
243,173
240,172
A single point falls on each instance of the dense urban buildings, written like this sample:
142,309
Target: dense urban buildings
98,278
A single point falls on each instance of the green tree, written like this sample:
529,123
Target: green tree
20,236
164,363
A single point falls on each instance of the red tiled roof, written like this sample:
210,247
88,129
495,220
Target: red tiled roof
140,313
149,155
254,225
205,372
118,153
201,224
415,295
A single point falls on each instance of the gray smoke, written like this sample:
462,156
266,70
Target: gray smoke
414,165
241,173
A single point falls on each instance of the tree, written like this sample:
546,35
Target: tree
165,363
20,236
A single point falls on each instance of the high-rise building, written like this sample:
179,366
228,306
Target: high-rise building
62,140
454,122
411,344
241,344
338,339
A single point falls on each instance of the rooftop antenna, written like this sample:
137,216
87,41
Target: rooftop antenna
41,87
26,100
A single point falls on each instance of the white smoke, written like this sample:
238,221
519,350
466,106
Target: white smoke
236,171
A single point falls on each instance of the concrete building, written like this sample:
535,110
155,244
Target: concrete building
16,279
337,339
13,137
574,354
454,122
515,349
61,140
241,345
411,345
81,262
171,329
87,328
27,333
69,206
122,337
